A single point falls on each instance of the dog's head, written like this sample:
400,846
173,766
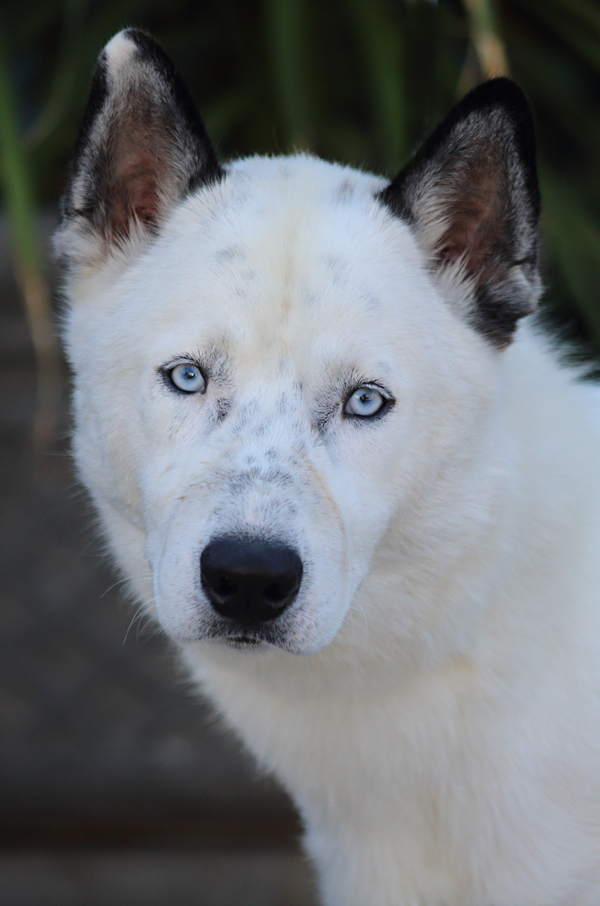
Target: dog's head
284,368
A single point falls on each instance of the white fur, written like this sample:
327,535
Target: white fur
436,715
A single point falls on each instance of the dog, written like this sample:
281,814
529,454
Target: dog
340,463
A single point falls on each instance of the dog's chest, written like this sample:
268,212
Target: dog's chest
445,797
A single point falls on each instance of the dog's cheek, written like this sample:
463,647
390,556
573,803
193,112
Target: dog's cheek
368,484
174,585
106,444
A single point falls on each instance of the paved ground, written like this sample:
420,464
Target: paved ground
116,785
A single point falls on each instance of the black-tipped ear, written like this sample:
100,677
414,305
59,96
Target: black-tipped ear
471,193
141,148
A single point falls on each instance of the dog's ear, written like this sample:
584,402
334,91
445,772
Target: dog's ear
471,194
142,147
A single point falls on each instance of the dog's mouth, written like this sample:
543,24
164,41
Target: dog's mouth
245,639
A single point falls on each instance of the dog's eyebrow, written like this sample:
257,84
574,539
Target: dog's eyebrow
337,264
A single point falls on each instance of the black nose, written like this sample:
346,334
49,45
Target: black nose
249,580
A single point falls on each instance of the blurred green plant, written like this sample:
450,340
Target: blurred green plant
21,212
361,81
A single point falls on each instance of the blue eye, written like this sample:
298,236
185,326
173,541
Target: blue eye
188,377
365,402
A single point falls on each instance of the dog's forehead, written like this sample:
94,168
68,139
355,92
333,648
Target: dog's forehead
287,257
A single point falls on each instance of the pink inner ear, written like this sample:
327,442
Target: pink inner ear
138,168
134,195
477,214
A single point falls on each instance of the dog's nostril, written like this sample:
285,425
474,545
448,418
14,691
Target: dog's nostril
226,587
249,580
275,593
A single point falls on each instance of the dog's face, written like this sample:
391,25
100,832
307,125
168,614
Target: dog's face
279,361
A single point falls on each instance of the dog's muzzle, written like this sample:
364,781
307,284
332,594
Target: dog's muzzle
249,580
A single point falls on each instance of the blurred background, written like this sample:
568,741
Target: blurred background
116,785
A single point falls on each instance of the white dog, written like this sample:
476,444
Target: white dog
351,480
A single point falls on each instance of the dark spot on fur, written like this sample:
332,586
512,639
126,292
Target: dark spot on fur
259,429
337,265
345,191
229,253
223,408
339,271
242,481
